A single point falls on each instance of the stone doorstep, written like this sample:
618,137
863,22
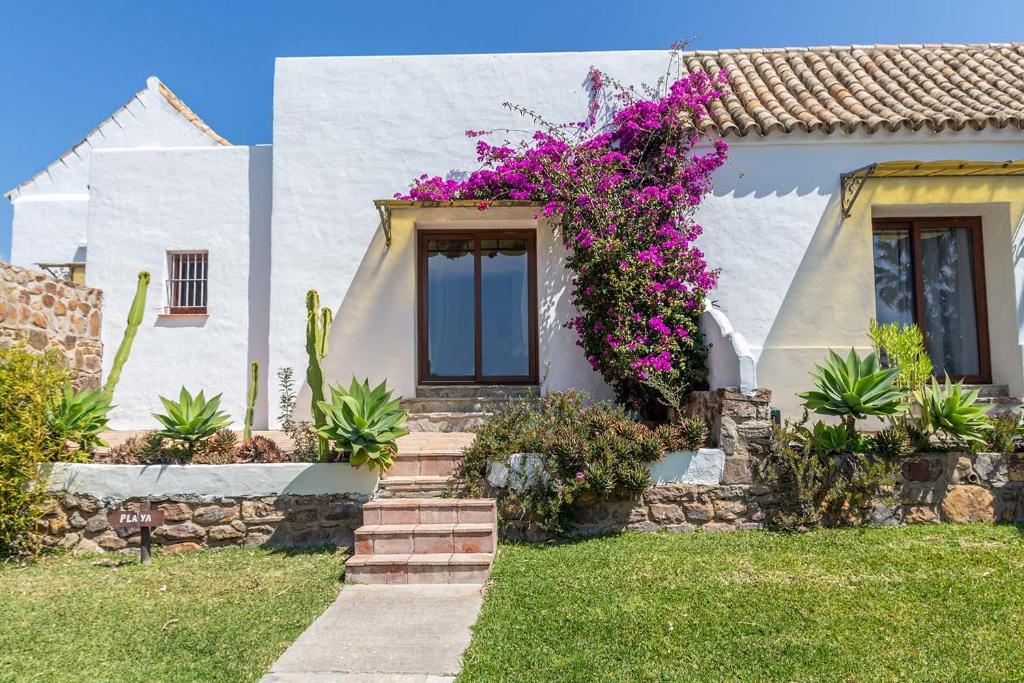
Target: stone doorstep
430,511
424,464
417,486
425,539
472,568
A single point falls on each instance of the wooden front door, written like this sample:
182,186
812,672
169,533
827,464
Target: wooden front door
477,306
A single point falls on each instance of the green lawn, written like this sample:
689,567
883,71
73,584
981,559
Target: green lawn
913,604
207,616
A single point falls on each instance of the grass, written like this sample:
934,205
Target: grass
220,615
908,604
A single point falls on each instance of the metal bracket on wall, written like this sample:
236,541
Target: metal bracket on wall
851,184
385,222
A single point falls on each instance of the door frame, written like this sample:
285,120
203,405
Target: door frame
972,223
422,314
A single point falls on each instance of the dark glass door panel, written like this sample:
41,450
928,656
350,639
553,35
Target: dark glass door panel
451,308
894,276
504,308
947,276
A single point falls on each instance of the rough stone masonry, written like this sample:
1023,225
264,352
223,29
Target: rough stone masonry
46,313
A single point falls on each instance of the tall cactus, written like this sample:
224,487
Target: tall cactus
138,307
250,399
318,324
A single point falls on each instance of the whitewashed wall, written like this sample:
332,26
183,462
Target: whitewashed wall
49,224
794,280
146,202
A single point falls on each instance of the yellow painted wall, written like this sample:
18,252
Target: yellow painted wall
832,296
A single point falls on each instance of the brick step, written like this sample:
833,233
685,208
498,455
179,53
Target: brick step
472,568
485,391
425,539
430,511
990,390
445,421
424,464
412,487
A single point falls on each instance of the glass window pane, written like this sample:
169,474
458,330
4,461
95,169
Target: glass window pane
450,308
894,277
947,272
505,308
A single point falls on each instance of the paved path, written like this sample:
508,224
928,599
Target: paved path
399,634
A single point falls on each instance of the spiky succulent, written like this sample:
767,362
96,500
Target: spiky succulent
364,422
950,411
79,416
854,388
191,419
692,432
892,442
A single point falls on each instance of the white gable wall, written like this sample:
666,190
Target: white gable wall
49,223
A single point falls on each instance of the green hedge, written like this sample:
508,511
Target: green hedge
27,380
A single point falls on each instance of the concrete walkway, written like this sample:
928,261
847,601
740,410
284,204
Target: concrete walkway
400,634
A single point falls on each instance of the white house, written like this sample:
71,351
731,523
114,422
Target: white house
816,222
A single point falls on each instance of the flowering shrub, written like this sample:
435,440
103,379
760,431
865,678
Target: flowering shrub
625,191
580,451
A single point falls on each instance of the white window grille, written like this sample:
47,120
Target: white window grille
187,281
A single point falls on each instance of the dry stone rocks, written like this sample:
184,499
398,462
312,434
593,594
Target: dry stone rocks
966,503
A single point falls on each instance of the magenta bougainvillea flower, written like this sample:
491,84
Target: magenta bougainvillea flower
621,186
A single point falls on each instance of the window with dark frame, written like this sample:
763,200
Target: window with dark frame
187,278
930,271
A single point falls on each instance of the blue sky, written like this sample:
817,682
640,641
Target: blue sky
66,65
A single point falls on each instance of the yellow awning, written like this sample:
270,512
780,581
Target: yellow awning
853,181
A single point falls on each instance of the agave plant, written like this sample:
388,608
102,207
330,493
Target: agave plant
79,416
854,388
950,411
191,420
827,439
364,422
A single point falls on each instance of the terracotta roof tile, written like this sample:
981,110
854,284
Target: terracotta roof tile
866,88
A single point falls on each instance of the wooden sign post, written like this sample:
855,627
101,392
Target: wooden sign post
144,519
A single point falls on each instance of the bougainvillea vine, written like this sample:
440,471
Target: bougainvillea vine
621,186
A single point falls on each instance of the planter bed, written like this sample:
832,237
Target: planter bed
249,505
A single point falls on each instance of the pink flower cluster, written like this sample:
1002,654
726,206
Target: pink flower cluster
623,194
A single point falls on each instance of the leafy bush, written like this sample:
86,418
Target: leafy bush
303,436
952,414
816,481
27,384
364,422
79,416
584,450
1005,433
191,420
902,347
854,388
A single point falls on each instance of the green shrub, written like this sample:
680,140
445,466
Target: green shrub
191,420
27,383
952,414
819,480
1005,433
79,417
303,437
585,451
365,423
902,347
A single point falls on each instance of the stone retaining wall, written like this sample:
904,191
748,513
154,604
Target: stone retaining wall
47,313
933,488
79,522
